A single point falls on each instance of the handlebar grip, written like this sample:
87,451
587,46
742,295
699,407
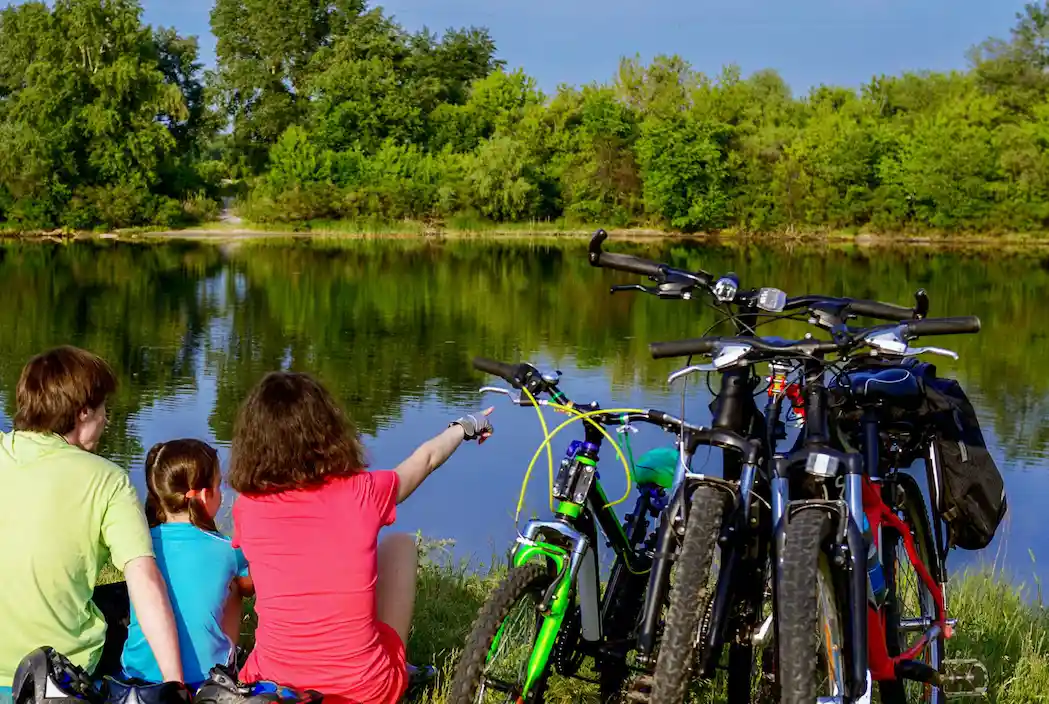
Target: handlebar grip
490,366
657,416
882,311
942,326
682,348
622,262
627,262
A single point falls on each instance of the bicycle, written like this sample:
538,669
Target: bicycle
821,498
730,612
554,573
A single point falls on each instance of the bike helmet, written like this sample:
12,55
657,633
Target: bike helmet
139,692
48,677
222,687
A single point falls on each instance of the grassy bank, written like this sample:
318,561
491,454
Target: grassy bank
996,624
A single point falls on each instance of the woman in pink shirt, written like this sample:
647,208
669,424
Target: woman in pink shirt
334,604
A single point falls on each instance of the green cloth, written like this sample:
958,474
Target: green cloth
66,513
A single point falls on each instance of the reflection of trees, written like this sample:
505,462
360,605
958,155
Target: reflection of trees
137,306
386,321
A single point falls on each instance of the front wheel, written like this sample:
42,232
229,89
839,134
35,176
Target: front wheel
495,661
810,638
689,597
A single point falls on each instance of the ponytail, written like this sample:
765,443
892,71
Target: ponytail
175,472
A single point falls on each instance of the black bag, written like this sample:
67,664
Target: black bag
973,493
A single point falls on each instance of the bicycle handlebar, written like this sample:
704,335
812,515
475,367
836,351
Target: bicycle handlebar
908,330
706,345
831,309
882,311
638,265
942,326
500,369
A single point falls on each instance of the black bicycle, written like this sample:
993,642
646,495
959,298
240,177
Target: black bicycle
821,499
704,617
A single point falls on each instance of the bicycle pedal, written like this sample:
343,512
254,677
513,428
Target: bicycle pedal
964,677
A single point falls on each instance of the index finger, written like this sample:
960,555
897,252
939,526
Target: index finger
488,411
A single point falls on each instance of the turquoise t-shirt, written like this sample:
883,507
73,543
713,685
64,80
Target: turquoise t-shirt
198,567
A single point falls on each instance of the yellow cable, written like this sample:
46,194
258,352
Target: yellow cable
549,456
619,451
550,436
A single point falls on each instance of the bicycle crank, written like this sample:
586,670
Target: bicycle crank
964,677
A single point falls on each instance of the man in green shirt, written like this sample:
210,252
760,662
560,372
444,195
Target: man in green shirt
66,513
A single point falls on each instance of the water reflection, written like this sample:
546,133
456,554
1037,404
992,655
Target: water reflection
392,326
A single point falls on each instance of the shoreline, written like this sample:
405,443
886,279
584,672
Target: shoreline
226,233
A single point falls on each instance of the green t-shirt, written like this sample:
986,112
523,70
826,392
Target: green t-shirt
66,512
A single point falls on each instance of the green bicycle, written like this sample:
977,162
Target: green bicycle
548,613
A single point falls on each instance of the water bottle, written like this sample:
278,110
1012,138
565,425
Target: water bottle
875,574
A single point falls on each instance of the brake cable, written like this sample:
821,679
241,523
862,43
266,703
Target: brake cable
550,436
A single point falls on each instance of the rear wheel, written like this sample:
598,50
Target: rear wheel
494,665
689,596
909,605
810,641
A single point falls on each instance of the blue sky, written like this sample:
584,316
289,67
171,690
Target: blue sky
842,42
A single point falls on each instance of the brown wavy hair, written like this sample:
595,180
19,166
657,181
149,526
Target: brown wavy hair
291,434
175,468
57,384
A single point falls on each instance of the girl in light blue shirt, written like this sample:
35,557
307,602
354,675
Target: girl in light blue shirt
207,578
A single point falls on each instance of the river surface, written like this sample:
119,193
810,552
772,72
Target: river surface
391,327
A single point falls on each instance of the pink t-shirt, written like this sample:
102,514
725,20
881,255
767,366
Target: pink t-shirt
311,554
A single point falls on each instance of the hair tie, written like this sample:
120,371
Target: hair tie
192,494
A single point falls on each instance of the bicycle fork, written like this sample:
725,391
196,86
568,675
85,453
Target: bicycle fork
847,549
554,605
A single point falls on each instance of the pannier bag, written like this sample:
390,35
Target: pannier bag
974,502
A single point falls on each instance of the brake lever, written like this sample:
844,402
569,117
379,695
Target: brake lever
694,369
915,351
891,342
515,397
633,287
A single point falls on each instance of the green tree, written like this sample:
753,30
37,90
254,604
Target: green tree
83,86
265,51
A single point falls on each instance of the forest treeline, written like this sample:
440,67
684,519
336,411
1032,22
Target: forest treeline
328,109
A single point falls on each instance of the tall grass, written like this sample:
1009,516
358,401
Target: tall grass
1003,625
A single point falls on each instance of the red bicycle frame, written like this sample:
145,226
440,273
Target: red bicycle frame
883,666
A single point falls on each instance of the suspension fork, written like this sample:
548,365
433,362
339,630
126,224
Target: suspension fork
735,543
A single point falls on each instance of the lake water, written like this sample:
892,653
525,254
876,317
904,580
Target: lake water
392,326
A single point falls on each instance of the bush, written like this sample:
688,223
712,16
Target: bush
122,204
200,208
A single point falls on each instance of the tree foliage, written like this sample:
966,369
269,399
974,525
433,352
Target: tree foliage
334,110
99,116
663,144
